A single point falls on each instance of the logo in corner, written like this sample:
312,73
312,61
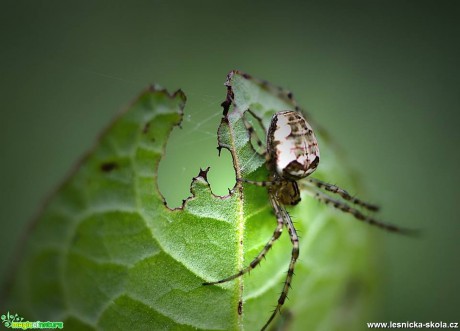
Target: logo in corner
14,321
8,319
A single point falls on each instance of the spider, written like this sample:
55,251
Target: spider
292,154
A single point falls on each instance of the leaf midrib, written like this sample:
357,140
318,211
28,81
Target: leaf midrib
239,226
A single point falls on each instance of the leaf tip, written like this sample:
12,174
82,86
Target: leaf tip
108,166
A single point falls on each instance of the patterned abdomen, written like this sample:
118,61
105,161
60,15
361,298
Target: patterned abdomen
292,145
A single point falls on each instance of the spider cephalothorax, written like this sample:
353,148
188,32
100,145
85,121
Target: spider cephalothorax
292,154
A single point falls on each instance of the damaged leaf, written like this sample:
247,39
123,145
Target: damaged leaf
107,253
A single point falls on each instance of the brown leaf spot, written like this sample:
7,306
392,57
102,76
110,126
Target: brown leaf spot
146,128
109,166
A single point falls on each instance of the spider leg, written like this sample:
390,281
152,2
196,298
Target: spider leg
344,194
261,150
260,183
261,123
279,210
261,255
324,198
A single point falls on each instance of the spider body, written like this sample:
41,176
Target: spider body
292,147
292,154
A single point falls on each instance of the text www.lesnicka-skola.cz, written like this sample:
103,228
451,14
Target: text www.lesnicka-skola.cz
412,325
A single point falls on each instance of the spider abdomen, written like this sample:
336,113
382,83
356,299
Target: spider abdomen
292,145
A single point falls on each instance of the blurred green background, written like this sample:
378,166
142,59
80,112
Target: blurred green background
382,76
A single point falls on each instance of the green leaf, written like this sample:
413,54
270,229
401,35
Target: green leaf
107,253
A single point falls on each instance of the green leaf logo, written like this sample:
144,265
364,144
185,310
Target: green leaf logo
8,319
